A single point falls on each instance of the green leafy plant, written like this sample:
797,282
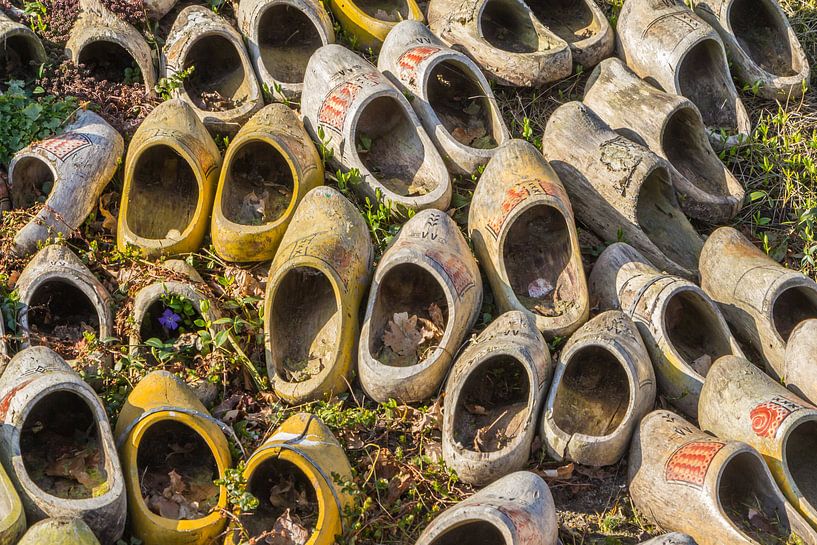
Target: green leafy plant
37,13
236,485
167,86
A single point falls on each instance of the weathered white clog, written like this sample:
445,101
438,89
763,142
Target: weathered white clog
21,51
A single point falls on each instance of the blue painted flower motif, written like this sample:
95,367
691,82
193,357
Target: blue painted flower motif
170,320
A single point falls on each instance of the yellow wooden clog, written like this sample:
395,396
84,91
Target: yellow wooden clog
171,172
368,22
302,449
12,517
268,168
160,418
59,532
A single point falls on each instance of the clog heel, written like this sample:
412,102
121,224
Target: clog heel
762,300
800,372
171,173
582,24
603,386
64,531
22,51
670,47
742,403
504,38
424,299
281,37
763,48
682,327
493,397
57,445
108,46
685,480
69,172
268,168
168,441
222,88
453,99
620,188
368,22
524,234
326,259
367,124
304,453
672,127
515,510
62,301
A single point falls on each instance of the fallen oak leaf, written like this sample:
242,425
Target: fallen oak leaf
286,531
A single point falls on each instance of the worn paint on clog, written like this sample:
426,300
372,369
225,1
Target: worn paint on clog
368,22
59,532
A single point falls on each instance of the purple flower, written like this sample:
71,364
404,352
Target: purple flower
170,320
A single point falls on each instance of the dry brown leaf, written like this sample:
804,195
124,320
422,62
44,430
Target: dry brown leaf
108,219
436,316
403,335
287,531
562,472
398,486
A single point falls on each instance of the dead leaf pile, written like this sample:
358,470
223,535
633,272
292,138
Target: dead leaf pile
407,338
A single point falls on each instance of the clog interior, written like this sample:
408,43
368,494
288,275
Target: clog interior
685,142
258,185
593,397
386,10
17,55
792,306
493,407
218,81
163,195
537,252
694,331
32,181
461,104
507,26
746,494
800,447
407,294
176,471
287,37
279,486
304,330
390,147
472,532
571,20
59,314
704,79
109,61
61,449
762,34
664,223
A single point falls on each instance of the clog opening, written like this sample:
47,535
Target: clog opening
61,447
506,26
762,34
594,394
19,57
31,182
284,493
393,11
537,253
409,318
258,185
664,223
389,146
218,81
801,445
163,196
472,532
109,61
687,147
287,38
170,320
747,499
176,471
458,100
60,315
792,306
304,329
704,79
571,20
694,331
493,407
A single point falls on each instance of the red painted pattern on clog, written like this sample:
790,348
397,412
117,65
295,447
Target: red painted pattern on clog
411,59
517,194
454,268
769,415
64,145
690,463
5,403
